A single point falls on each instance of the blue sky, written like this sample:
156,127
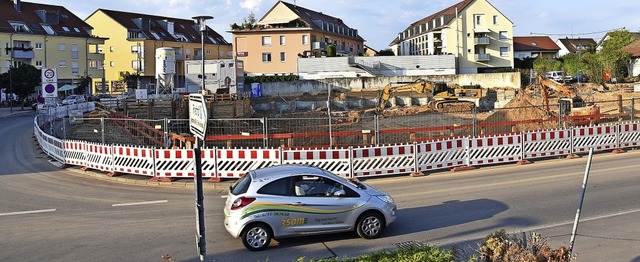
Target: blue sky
379,21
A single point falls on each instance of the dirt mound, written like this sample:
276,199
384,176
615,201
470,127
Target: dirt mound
519,113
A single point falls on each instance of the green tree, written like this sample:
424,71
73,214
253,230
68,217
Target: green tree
249,22
572,64
85,82
386,52
331,50
23,80
131,80
542,65
611,57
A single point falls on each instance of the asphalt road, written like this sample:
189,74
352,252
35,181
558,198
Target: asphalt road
53,214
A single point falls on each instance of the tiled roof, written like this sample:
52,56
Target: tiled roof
534,43
633,48
309,16
450,13
33,15
153,26
574,44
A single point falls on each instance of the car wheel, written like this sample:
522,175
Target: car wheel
256,237
370,225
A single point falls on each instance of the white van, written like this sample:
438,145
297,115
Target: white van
558,76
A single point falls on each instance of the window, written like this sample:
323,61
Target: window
48,29
74,51
503,35
281,40
282,56
111,48
76,29
504,51
75,67
66,29
38,64
314,186
266,57
305,40
112,64
280,187
62,47
266,40
495,20
62,63
38,45
477,19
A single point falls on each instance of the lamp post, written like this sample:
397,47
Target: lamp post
202,21
200,237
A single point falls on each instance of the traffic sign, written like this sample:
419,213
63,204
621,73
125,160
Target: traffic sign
49,82
198,115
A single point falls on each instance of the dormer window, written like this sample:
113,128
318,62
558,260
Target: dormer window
20,27
534,43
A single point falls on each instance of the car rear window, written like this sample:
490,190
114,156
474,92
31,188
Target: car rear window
241,185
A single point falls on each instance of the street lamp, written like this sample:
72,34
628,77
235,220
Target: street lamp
202,21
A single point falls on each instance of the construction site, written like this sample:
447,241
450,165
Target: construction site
397,113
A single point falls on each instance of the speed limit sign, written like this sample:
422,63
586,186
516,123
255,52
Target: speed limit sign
49,82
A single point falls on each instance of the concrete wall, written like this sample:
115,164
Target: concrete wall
315,87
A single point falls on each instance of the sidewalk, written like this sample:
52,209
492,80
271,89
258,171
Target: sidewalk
7,111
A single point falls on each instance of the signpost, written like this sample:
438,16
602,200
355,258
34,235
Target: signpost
198,126
49,83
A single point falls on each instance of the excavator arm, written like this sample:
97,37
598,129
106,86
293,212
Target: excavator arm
420,86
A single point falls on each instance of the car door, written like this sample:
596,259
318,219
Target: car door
317,207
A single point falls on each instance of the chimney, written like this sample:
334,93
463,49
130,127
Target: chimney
16,4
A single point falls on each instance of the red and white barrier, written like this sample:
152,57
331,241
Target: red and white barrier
133,160
234,163
494,149
439,154
74,152
547,143
99,157
597,137
336,160
174,163
629,135
383,160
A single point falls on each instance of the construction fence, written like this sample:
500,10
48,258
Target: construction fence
330,132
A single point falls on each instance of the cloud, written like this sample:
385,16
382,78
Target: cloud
251,5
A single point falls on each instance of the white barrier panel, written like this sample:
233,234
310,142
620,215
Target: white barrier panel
234,163
629,135
74,152
99,157
383,160
336,160
133,160
175,163
597,137
208,157
51,146
547,143
495,149
439,154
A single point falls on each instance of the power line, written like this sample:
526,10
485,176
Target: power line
572,34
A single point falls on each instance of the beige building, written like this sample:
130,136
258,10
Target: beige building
48,36
287,32
133,39
483,42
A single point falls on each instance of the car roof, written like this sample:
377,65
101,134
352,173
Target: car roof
285,170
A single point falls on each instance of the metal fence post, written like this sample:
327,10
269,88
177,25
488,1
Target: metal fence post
633,109
376,124
102,128
474,121
265,132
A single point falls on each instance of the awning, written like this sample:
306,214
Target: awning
482,30
275,21
67,87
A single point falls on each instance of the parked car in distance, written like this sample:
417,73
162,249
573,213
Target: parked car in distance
101,96
73,99
582,78
559,76
296,200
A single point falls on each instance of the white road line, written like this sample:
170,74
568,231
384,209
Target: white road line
140,203
27,212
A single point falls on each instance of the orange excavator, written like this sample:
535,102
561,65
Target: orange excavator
571,104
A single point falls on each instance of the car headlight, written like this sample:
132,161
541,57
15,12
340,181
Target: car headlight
386,199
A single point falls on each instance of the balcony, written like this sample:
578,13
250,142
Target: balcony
483,57
318,45
481,41
23,53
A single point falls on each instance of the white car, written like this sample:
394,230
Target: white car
73,99
559,76
296,200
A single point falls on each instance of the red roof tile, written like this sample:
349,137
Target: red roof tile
534,43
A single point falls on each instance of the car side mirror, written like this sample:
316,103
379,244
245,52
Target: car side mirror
340,193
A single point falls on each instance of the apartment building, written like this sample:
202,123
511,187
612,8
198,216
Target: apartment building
535,47
132,40
48,36
476,32
288,32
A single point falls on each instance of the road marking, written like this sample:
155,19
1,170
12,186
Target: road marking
140,203
27,212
